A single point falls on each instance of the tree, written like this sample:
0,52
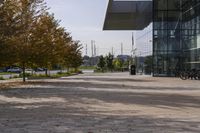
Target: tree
20,18
73,56
47,42
118,64
31,37
109,61
101,64
148,64
8,29
63,47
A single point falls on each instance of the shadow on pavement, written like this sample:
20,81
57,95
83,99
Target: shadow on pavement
109,93
60,118
54,107
110,79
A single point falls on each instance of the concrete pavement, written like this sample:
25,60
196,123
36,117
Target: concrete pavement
102,103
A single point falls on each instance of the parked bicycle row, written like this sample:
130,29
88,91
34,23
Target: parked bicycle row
189,74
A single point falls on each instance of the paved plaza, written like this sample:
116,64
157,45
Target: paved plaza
101,103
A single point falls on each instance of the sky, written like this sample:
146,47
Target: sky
84,19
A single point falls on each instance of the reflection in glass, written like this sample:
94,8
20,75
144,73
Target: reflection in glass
176,36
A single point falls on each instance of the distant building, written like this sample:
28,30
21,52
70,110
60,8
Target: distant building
124,58
90,61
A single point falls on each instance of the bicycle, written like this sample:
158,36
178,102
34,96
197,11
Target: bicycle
190,74
184,75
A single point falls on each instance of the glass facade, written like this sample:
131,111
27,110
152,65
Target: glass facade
176,36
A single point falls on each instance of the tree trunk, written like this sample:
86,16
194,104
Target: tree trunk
46,72
23,73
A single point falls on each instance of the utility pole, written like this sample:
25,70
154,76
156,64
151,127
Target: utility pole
95,50
133,51
86,49
112,51
132,41
121,48
92,48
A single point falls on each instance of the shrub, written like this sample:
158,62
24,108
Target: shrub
80,72
1,78
59,73
26,75
15,76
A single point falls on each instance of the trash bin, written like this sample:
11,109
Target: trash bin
132,70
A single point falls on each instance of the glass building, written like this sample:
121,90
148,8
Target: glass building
176,30
176,36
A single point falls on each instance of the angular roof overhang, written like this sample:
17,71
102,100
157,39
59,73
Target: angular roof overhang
128,15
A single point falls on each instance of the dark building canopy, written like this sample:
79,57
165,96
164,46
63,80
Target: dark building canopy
128,15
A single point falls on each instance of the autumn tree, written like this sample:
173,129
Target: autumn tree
31,37
63,49
47,42
73,56
8,30
19,17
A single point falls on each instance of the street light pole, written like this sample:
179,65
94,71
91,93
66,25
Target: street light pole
133,51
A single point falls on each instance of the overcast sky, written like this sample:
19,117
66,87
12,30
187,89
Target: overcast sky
84,20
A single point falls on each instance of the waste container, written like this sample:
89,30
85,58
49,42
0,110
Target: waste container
132,70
